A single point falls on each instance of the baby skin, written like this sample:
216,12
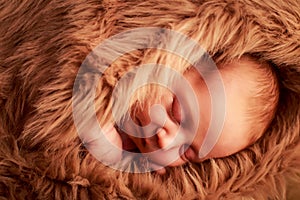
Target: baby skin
251,96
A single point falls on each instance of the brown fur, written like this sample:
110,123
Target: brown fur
43,44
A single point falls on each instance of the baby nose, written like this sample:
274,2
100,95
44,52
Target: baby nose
167,135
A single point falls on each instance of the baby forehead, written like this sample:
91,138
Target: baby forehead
248,72
244,69
246,77
245,64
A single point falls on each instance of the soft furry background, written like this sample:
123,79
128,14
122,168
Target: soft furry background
42,45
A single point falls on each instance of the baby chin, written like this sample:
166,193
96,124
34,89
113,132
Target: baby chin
170,157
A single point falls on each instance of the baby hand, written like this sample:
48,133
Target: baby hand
105,146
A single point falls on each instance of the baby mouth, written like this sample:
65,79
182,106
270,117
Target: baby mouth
182,152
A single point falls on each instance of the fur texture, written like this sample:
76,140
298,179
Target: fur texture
43,44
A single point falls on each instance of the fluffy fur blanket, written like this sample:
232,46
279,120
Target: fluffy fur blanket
43,44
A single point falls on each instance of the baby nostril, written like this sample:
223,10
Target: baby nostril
163,138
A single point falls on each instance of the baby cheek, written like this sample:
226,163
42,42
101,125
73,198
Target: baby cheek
229,144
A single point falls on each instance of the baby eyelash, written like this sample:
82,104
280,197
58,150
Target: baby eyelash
171,111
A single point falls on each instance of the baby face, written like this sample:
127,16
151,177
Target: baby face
235,134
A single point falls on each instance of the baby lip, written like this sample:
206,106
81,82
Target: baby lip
182,152
190,155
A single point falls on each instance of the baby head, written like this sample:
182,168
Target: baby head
251,96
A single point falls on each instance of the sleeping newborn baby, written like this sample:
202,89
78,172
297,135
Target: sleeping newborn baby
251,96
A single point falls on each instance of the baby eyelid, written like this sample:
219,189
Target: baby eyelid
175,111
